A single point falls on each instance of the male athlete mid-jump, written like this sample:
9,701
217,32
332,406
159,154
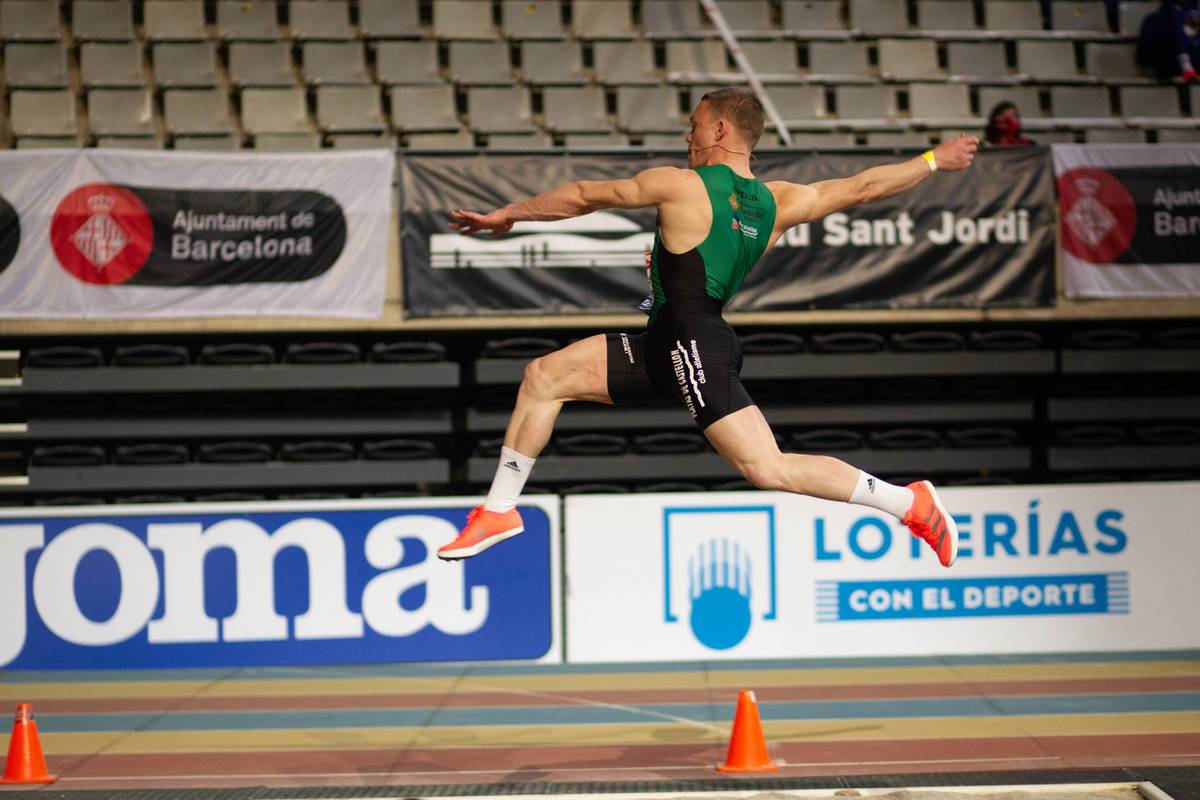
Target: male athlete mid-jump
715,221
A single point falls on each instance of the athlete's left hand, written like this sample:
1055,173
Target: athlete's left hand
468,222
955,154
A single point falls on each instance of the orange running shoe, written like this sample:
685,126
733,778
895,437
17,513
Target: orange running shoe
929,521
484,529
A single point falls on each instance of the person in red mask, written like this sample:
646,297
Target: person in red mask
1004,127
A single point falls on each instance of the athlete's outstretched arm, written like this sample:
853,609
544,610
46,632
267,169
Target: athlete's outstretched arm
804,203
647,188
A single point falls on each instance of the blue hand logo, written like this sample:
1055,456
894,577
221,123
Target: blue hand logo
719,586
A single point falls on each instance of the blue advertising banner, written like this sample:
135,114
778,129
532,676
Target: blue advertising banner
281,583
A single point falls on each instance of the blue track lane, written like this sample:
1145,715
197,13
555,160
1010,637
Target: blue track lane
719,713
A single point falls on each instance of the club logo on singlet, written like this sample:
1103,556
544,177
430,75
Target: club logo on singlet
738,225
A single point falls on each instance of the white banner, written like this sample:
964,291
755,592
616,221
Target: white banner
771,575
1130,218
123,234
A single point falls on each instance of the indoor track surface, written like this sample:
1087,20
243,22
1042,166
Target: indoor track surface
421,727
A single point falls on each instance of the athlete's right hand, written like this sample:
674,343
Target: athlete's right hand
468,222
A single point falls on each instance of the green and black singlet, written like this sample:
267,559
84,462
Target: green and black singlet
688,350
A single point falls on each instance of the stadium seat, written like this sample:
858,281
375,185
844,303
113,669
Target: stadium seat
865,103
42,142
102,21
664,142
939,105
463,19
700,57
1012,17
1025,98
261,64
241,21
908,59
1114,62
407,62
1131,14
879,17
29,21
140,142
174,20
226,143
602,19
800,104
977,62
520,141
320,19
334,63
629,62
287,142
1179,136
806,19
747,17
549,63
1114,136
1080,16
669,19
648,109
36,65
898,139
362,141
424,108
771,58
111,64
1149,102
350,108
588,141
120,112
575,110
1082,102
531,19
192,64
841,62
389,19
275,111
480,63
500,110
1047,60
459,140
936,17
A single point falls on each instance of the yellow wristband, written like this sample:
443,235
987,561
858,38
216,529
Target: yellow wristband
929,159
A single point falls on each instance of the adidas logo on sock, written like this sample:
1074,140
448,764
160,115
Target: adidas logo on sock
512,465
871,485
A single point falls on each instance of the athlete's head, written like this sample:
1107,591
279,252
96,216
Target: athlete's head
729,119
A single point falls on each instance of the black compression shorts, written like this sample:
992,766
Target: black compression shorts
694,359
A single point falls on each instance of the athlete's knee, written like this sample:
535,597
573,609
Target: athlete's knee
538,379
765,473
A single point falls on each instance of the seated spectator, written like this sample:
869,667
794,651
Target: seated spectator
1169,42
1004,127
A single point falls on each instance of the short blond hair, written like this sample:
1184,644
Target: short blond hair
742,108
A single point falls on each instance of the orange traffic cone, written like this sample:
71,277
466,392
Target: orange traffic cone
747,747
25,763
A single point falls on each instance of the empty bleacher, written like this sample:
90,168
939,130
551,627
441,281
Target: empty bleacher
265,417
872,68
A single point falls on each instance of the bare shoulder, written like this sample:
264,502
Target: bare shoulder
668,184
793,201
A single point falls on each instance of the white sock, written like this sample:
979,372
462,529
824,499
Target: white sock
511,473
870,491
1185,63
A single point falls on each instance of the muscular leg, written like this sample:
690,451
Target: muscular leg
576,372
745,440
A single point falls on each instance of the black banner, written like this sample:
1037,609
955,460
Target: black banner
10,233
979,238
108,234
